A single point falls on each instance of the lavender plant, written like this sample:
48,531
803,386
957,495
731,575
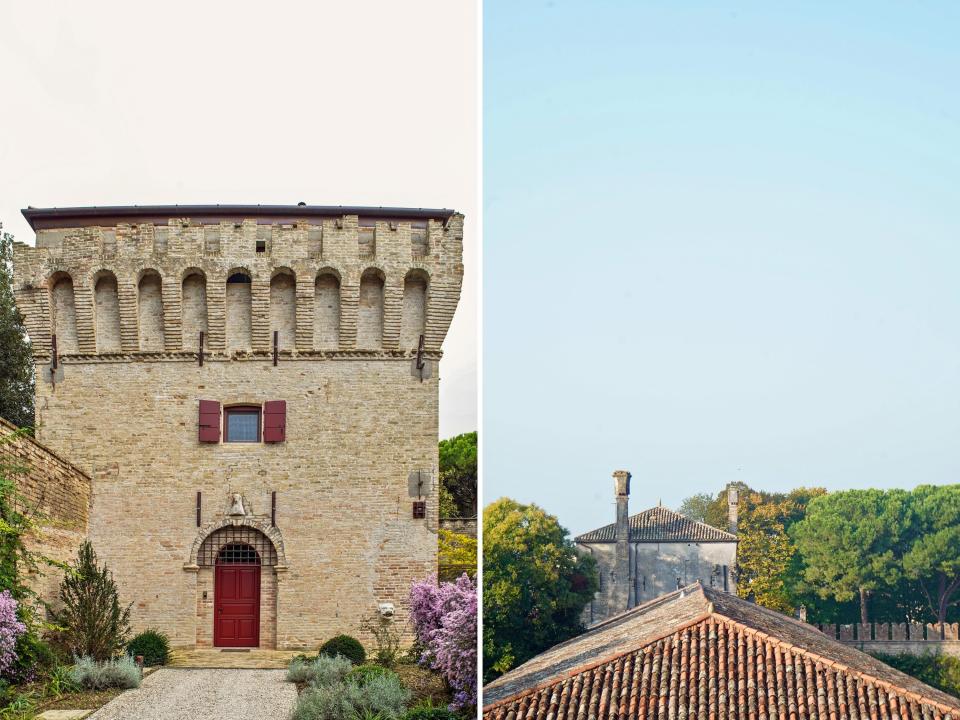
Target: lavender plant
11,628
444,618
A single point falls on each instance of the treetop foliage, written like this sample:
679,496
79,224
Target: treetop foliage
16,361
458,476
535,584
892,553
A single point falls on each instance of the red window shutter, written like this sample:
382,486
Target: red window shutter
209,421
275,421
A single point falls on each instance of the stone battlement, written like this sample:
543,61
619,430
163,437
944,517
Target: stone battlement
349,284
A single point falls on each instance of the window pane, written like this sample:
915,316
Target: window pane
242,426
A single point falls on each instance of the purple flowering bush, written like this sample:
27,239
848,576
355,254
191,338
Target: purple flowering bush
444,619
11,628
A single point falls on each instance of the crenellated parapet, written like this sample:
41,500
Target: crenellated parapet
147,281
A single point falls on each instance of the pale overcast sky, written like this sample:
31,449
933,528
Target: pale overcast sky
346,103
722,243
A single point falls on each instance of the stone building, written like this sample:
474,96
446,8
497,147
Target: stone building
643,556
253,391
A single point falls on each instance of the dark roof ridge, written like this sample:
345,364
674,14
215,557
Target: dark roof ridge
688,530
48,216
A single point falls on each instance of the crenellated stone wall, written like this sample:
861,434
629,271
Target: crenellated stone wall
326,285
349,298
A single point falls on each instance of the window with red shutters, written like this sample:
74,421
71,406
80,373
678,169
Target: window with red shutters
275,421
209,421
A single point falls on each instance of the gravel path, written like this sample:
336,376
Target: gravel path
171,694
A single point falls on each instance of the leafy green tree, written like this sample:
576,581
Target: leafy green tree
535,584
765,554
848,541
92,620
448,506
932,552
16,362
456,549
458,474
696,506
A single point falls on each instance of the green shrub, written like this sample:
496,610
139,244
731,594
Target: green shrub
387,639
61,681
35,659
426,710
347,646
361,674
19,707
327,702
93,620
322,670
386,695
153,645
366,715
940,671
118,673
382,697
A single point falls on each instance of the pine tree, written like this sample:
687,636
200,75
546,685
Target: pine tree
92,620
16,363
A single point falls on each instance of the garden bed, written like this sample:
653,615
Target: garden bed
423,684
82,700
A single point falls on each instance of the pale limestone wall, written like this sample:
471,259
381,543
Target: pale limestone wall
654,569
56,494
358,421
326,312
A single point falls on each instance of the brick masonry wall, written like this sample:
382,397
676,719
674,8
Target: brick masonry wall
355,430
464,526
358,421
59,495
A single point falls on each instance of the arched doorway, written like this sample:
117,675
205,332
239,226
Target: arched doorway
236,554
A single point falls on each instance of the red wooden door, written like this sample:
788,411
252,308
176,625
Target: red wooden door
236,593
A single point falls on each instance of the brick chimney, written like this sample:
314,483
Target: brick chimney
622,592
733,504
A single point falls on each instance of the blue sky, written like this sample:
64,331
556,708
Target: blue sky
721,242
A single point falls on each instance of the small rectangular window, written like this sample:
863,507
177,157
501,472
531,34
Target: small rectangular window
242,424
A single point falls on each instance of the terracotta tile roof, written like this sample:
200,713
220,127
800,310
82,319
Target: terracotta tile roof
700,653
660,524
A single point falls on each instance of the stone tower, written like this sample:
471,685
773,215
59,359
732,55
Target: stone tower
254,390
